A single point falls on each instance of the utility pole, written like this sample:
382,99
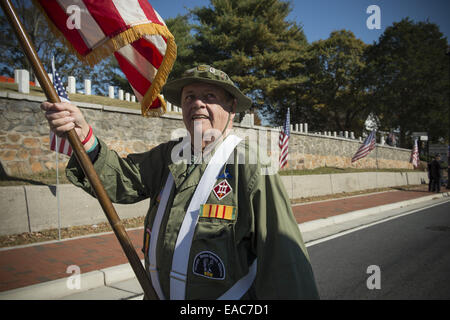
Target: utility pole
448,144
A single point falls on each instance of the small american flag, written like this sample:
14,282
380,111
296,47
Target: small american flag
60,145
415,155
367,146
284,141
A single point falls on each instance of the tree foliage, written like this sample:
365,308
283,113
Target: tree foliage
252,41
335,91
409,73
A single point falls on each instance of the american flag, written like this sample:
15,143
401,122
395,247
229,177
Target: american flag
57,144
131,29
367,146
415,155
284,141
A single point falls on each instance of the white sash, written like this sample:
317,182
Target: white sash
180,260
154,236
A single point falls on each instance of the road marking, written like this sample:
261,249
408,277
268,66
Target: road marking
343,233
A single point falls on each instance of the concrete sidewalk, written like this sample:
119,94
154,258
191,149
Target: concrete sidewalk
45,271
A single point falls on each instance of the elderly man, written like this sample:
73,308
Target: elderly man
217,229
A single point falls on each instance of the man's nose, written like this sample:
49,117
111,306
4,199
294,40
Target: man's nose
198,102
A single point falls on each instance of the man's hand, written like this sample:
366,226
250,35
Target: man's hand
63,117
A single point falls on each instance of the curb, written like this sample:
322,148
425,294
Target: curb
314,225
59,288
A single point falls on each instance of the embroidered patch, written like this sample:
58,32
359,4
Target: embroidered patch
208,265
218,211
222,189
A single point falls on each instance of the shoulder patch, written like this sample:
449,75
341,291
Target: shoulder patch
209,265
222,189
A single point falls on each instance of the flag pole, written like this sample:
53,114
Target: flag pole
80,153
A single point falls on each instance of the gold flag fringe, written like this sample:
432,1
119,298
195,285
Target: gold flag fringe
126,37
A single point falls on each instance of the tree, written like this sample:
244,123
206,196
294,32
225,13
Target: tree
409,72
334,95
252,41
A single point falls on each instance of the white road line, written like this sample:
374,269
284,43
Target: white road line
340,234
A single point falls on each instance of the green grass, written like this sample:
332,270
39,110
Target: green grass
43,178
331,170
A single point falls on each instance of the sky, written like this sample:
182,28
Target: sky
320,17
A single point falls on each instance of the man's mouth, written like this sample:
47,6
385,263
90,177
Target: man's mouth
199,117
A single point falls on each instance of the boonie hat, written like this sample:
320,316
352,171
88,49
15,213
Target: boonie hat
205,73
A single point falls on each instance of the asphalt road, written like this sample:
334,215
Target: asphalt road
404,258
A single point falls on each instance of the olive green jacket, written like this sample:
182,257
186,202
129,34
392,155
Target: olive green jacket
263,225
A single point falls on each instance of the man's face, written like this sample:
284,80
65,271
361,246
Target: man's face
206,106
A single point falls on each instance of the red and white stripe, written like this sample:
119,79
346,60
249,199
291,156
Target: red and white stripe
60,145
284,149
367,146
101,20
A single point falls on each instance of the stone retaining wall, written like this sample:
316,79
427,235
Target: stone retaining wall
24,138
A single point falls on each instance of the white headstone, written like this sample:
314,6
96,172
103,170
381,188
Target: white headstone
120,94
23,77
127,96
133,98
334,134
111,92
71,84
352,135
346,134
296,127
87,87
168,107
306,127
301,127
16,76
